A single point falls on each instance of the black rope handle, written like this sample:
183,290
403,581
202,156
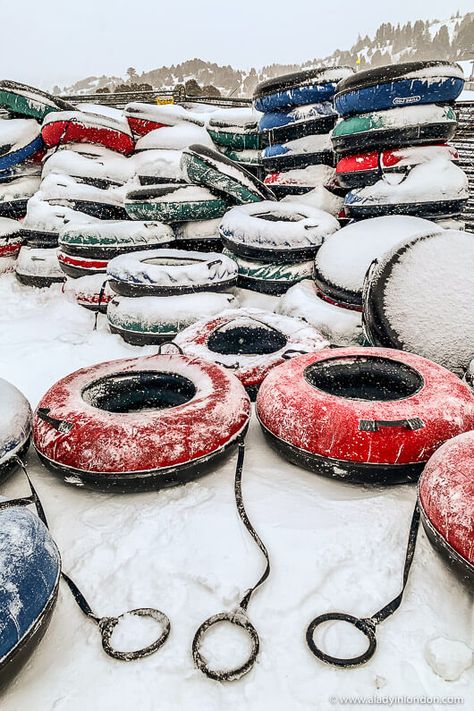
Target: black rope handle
366,625
106,625
239,616
169,343
101,296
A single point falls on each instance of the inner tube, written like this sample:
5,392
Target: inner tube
300,153
77,266
152,320
44,222
171,202
10,242
207,167
309,86
300,181
143,118
108,239
420,297
235,128
249,342
64,191
270,231
91,291
15,427
80,127
140,423
345,256
162,272
101,168
363,415
273,278
399,85
446,500
198,235
23,100
20,140
154,167
38,266
31,570
436,189
363,169
283,126
14,195
407,126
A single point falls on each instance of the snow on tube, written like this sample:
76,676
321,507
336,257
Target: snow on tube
174,138
198,235
207,167
446,500
151,320
405,126
31,570
143,118
160,166
436,189
68,192
20,140
14,195
341,326
38,266
310,86
399,85
235,128
91,291
107,239
249,342
272,278
345,256
10,243
22,100
363,415
300,153
270,231
161,272
420,297
15,427
102,169
363,169
300,181
319,198
80,127
171,202
283,126
138,423
43,222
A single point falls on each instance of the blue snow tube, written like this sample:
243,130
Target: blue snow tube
13,158
399,85
30,568
281,157
15,427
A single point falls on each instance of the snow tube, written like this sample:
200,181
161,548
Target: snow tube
272,278
174,203
362,169
43,222
199,235
399,85
407,126
207,167
100,167
38,267
65,191
345,256
363,415
310,86
91,291
299,182
77,266
14,195
245,158
437,189
156,167
138,423
162,272
283,126
235,128
80,127
446,500
108,239
249,342
150,320
22,100
31,569
420,297
144,118
20,140
270,231
15,427
300,153
10,242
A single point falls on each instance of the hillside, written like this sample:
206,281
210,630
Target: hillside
451,39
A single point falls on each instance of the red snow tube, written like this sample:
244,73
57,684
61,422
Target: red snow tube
75,266
140,423
446,498
140,127
363,414
76,130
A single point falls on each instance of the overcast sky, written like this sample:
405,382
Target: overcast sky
47,42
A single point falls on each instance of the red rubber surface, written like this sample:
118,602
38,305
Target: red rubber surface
65,131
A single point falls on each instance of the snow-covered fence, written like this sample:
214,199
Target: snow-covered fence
464,142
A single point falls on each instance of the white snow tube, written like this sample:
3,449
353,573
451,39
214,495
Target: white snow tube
158,166
174,138
270,231
300,180
38,267
15,194
147,320
171,271
16,422
63,190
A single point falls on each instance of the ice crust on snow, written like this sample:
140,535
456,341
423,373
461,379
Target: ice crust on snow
174,138
448,658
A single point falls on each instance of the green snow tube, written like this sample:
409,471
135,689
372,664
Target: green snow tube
24,100
171,202
274,278
235,128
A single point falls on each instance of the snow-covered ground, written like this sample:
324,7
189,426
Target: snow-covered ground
332,546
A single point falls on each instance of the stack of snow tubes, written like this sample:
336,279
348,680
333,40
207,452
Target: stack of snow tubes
391,142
